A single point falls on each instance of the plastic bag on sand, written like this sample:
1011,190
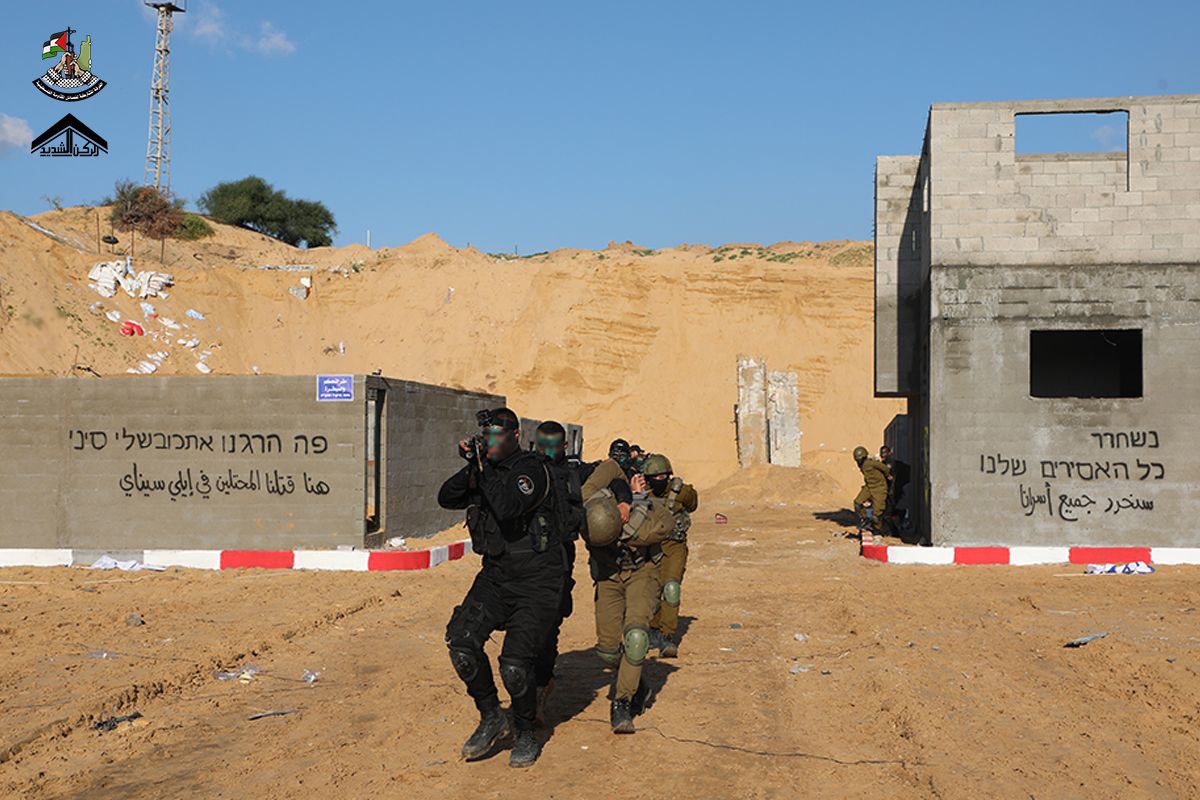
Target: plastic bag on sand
246,673
1132,568
108,562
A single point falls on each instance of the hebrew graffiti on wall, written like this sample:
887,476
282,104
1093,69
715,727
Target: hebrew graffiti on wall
204,478
1114,481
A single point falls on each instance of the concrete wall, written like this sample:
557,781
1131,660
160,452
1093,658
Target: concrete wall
1008,468
751,412
767,415
783,418
899,196
991,206
221,462
999,244
424,426
179,463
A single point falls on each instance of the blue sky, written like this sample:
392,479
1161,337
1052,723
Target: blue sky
547,124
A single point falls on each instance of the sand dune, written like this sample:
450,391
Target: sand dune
628,341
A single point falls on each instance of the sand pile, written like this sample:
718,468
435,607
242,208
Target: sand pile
772,486
629,341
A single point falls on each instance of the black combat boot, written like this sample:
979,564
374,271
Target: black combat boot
669,648
493,726
641,699
525,750
621,717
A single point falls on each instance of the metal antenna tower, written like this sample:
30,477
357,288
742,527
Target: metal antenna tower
158,150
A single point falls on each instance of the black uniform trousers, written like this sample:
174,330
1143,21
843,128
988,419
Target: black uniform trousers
520,594
544,666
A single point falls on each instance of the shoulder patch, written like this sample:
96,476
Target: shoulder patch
525,484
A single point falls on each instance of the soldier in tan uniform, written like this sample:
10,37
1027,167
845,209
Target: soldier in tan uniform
874,491
623,559
681,500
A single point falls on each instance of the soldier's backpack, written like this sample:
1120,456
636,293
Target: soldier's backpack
650,522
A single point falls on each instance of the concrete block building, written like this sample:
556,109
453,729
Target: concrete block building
1041,314
227,462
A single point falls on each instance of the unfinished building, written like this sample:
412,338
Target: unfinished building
1041,314
227,462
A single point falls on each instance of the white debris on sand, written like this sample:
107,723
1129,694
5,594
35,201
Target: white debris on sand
106,276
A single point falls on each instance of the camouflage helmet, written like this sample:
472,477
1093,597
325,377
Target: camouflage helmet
860,454
656,464
603,519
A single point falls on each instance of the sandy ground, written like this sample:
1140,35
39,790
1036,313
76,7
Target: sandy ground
598,337
907,682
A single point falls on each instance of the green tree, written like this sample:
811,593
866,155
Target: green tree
255,204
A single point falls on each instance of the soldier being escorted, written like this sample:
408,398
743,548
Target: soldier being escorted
681,500
511,514
623,559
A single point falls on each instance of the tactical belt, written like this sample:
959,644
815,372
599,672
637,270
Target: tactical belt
631,558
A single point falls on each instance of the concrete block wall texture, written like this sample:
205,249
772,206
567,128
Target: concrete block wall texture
424,426
899,193
993,206
221,462
1010,243
1008,468
179,462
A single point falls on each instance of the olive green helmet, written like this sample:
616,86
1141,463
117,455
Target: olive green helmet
656,464
603,519
860,454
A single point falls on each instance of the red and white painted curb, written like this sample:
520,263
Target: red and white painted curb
345,560
1022,556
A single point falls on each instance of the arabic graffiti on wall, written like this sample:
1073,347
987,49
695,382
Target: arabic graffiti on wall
193,482
1114,480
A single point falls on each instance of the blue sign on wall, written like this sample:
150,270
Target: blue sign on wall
335,387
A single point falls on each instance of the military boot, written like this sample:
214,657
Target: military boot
493,726
524,751
621,717
543,696
668,648
641,699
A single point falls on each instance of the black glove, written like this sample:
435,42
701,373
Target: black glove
466,450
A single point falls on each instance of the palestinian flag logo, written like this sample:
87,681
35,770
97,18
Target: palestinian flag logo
69,78
57,43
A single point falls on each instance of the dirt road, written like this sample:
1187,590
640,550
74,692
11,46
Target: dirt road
804,672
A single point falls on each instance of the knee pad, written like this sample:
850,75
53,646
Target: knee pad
670,593
465,661
611,657
637,644
515,678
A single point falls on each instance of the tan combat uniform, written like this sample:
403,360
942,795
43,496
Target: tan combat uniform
875,488
627,591
675,554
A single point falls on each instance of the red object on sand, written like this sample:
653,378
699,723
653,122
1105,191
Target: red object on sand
720,519
131,328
